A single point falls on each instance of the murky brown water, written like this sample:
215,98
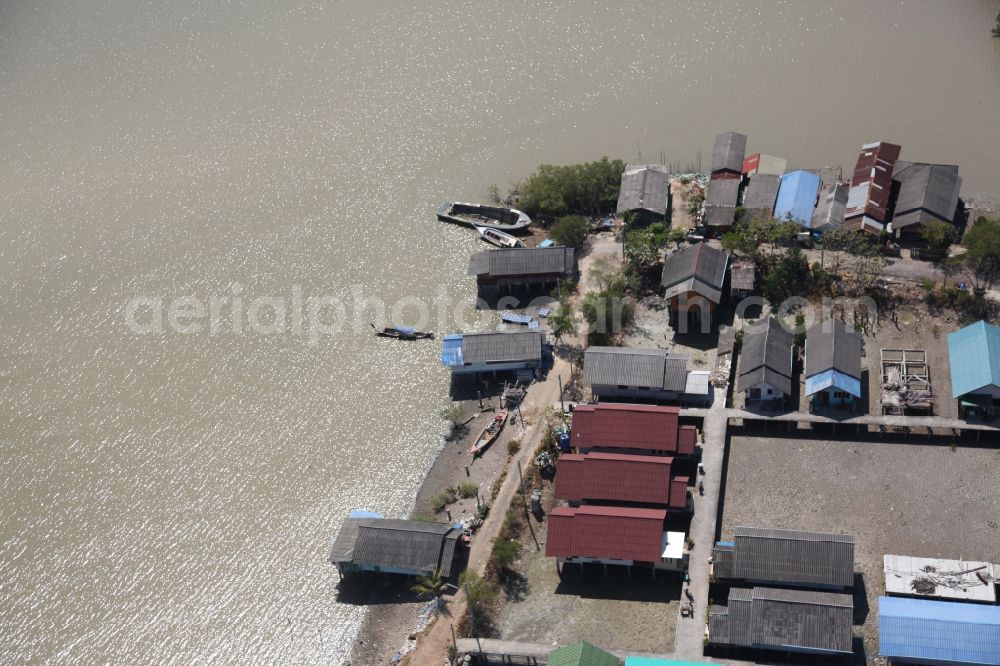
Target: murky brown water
169,498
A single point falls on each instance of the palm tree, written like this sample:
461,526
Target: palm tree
431,586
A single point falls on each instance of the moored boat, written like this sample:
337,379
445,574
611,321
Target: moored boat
498,238
401,333
489,433
481,215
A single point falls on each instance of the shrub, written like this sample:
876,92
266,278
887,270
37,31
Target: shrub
505,552
444,499
590,188
513,446
570,231
512,524
467,489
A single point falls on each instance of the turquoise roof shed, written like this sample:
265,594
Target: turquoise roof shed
974,355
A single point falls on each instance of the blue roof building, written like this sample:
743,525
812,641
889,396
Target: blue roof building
974,355
924,631
797,197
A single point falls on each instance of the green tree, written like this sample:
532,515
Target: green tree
562,322
694,203
590,188
430,586
996,26
505,552
570,231
982,256
789,276
642,247
480,596
938,234
676,236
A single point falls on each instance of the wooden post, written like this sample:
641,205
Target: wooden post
562,407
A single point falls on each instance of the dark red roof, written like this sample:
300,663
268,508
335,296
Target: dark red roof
679,492
606,532
874,166
624,426
686,440
569,476
614,476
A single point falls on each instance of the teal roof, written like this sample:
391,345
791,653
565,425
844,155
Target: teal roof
974,354
656,661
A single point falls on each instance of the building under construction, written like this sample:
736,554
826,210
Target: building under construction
906,382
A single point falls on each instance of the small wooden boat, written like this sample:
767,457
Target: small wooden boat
480,215
489,433
401,333
498,238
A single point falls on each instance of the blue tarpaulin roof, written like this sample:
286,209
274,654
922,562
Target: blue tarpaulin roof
364,513
974,355
451,352
942,631
548,242
797,196
835,379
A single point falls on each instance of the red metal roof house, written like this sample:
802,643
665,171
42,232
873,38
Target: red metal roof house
606,533
627,428
619,478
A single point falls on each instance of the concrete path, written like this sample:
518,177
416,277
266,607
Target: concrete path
888,420
689,641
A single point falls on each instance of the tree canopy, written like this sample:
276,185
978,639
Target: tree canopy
982,257
570,231
590,188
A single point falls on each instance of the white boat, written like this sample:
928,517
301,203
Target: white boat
480,215
498,238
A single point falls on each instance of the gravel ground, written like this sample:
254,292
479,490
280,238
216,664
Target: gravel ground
906,499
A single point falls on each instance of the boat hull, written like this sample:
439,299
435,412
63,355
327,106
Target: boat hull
489,434
480,215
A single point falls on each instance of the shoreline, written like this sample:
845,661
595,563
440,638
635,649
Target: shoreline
387,627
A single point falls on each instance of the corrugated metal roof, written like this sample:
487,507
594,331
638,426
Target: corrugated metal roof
634,367
929,577
766,356
678,492
644,187
624,426
723,192
742,276
926,192
728,152
833,379
760,163
698,263
687,439
513,261
609,532
939,631
405,544
697,382
581,654
830,345
797,196
780,619
974,356
761,193
871,183
793,557
829,213
615,477
451,350
499,347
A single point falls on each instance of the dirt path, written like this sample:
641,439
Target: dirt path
432,648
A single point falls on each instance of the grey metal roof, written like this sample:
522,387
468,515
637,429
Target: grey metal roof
926,192
499,347
644,187
792,557
761,192
831,345
728,153
699,267
409,544
777,618
829,213
719,216
627,366
766,355
523,261
742,276
675,373
384,542
722,561
722,192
